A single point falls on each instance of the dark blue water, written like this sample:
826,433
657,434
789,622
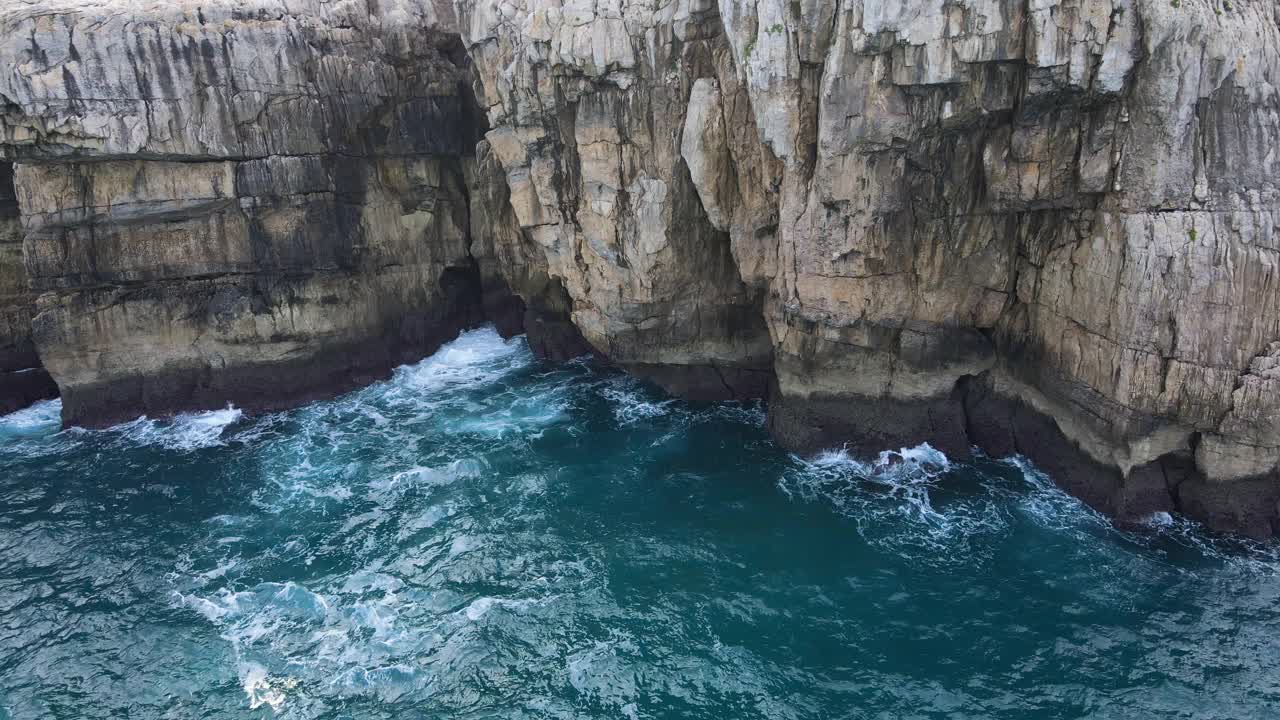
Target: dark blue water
486,536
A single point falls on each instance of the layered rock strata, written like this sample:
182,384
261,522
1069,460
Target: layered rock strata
1045,228
253,203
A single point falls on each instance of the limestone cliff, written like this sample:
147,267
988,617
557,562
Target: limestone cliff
1043,228
254,203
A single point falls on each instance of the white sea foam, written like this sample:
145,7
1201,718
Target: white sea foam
223,568
259,687
523,416
630,405
43,416
210,609
474,357
910,465
891,501
287,638
422,395
184,432
1050,506
905,474
388,490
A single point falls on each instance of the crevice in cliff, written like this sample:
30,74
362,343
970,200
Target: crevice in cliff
23,379
8,194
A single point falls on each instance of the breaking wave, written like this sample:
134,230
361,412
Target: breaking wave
41,417
184,432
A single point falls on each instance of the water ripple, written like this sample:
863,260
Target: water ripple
485,535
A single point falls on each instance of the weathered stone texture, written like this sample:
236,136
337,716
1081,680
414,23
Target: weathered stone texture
1070,203
519,293
587,106
256,203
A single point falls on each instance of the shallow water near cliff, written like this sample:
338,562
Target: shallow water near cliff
485,535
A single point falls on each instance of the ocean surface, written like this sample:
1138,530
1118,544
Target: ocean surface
488,536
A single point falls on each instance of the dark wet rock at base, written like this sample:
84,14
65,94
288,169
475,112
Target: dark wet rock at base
867,425
1248,507
409,334
706,382
21,388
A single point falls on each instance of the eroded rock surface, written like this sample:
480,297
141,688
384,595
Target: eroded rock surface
1045,228
256,203
588,108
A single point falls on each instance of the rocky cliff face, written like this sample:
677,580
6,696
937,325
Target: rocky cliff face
254,203
1046,228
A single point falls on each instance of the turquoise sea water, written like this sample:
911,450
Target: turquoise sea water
486,536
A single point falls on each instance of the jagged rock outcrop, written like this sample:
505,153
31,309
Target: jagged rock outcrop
587,119
256,203
1040,228
519,293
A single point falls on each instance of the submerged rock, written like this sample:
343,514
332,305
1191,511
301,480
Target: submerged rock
1042,229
